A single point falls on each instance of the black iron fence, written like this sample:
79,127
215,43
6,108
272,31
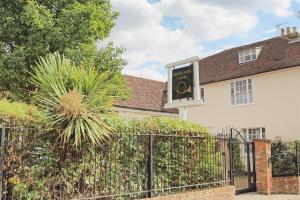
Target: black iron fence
285,158
125,167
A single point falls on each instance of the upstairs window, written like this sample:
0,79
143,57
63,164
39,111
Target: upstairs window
249,55
241,92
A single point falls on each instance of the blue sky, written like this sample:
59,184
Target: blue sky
155,32
264,29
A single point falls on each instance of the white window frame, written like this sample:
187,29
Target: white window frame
250,134
249,55
241,92
259,133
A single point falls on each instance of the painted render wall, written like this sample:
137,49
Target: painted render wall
276,105
140,114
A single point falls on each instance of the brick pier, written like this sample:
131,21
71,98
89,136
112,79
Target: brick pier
263,166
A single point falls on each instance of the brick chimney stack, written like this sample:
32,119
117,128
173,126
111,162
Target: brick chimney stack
282,32
290,33
288,30
294,29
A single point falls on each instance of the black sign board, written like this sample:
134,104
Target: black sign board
183,83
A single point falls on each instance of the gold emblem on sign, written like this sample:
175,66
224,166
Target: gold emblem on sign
182,89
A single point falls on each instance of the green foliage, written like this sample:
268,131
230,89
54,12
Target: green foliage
238,164
33,28
39,169
74,99
284,159
159,125
19,113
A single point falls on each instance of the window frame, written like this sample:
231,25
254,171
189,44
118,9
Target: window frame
252,53
239,96
262,133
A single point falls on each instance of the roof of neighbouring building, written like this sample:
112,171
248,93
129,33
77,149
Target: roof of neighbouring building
276,53
146,94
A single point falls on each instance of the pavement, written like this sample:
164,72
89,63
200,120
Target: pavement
255,196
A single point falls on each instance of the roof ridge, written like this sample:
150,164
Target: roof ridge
144,78
244,45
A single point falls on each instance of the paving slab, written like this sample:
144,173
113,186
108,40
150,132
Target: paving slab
255,196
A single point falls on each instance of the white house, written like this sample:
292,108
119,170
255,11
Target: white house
254,88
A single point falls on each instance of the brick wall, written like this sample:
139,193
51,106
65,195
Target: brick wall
263,166
286,185
221,193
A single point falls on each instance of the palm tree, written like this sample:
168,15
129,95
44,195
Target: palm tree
74,99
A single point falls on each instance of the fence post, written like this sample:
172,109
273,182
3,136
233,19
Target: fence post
150,166
253,163
297,158
2,140
249,164
231,158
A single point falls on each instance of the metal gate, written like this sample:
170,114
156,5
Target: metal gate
242,163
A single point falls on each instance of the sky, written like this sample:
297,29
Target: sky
157,32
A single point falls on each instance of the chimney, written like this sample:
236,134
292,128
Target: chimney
282,32
288,30
290,33
294,29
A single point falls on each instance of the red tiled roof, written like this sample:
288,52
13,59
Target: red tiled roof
145,95
276,53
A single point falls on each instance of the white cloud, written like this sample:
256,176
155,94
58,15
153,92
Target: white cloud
139,28
277,7
146,73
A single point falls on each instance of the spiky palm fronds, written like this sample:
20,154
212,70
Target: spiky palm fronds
74,97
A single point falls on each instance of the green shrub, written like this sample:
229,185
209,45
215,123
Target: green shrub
157,125
35,169
18,113
284,158
74,98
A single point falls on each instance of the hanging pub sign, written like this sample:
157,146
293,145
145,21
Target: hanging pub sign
182,83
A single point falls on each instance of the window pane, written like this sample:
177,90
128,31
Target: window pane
238,98
249,84
244,87
244,131
250,97
232,94
247,52
232,99
245,97
241,59
202,95
247,58
263,133
257,133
